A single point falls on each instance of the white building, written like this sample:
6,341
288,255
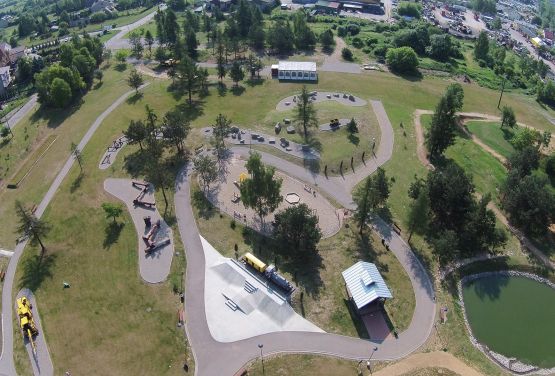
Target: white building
296,70
5,79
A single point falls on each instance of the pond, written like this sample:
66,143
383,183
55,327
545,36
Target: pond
513,316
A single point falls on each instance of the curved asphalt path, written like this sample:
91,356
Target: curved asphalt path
7,366
217,358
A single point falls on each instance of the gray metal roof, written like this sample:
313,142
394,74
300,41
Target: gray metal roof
365,283
297,66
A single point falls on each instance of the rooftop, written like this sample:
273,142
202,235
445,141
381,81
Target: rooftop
297,66
365,283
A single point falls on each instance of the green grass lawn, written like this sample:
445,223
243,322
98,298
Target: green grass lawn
493,136
72,211
108,313
487,172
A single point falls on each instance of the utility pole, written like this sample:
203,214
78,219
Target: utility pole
260,346
502,90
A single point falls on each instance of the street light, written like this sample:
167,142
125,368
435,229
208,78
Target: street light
369,359
260,346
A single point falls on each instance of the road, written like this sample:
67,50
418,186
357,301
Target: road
233,356
7,366
117,42
520,38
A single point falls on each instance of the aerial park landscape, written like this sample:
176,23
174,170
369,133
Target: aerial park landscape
235,188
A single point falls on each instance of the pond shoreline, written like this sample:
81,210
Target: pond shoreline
511,365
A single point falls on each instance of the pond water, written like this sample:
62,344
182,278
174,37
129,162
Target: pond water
513,316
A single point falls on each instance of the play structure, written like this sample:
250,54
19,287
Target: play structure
269,271
150,237
139,200
26,321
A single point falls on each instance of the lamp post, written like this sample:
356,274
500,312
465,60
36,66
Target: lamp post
369,359
260,346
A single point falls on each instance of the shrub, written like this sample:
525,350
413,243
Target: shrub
347,54
357,42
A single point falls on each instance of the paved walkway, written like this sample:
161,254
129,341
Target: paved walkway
117,42
7,366
23,110
41,362
233,356
154,266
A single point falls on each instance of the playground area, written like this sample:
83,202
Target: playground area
156,246
322,96
225,195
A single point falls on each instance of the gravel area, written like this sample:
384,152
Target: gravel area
323,96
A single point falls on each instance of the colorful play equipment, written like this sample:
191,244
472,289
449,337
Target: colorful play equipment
243,176
26,321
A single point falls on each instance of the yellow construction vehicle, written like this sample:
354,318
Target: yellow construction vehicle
26,321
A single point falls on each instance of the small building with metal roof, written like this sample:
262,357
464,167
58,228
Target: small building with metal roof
365,284
296,70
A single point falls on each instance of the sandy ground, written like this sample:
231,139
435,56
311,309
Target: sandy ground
424,360
225,192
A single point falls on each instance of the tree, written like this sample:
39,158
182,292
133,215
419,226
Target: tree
347,54
280,37
121,56
76,153
191,43
326,40
135,80
112,210
136,44
370,196
160,175
149,41
306,114
220,61
175,128
136,133
5,131
221,130
296,230
203,81
98,75
24,69
443,128
419,206
305,39
187,75
60,93
526,137
441,47
261,191
30,226
402,60
236,72
481,49
409,9
207,169
352,126
508,118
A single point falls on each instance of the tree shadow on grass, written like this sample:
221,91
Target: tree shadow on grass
367,252
191,111
56,116
255,81
222,89
35,270
135,98
237,90
98,85
205,208
135,163
508,134
112,232
353,139
76,184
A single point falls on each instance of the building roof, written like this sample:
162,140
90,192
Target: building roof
297,66
548,34
327,4
365,283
